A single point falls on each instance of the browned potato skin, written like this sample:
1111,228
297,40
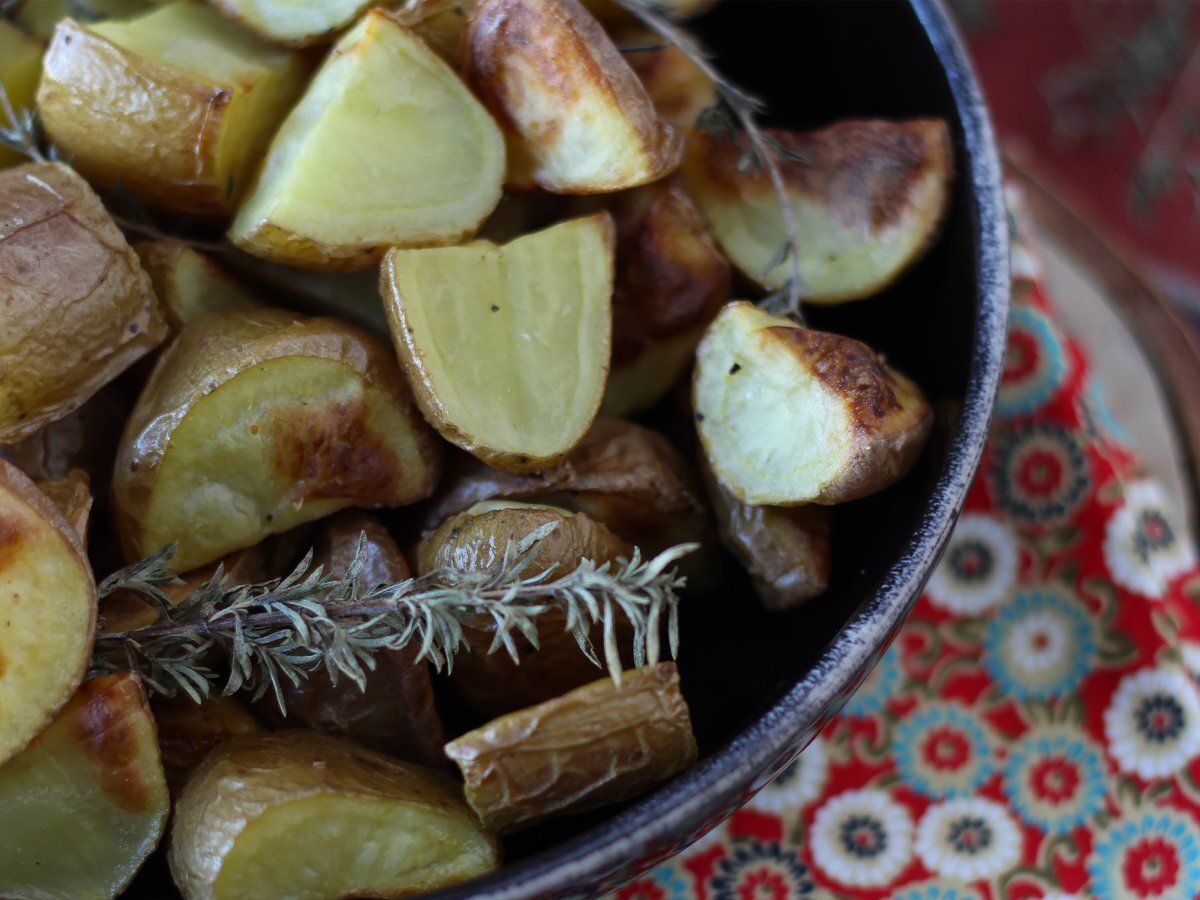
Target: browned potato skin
612,14
442,24
679,89
79,310
787,551
564,42
491,683
597,745
396,713
188,732
73,497
163,261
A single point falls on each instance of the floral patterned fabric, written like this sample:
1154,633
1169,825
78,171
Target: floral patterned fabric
1034,731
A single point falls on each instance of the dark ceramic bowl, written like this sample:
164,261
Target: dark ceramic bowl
760,687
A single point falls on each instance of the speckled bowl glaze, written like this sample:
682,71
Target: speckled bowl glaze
760,687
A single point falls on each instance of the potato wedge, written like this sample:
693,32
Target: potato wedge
20,67
338,186
84,804
188,732
253,423
176,105
679,89
359,823
577,119
78,307
787,551
671,282
47,610
507,347
297,23
40,17
188,283
395,712
790,416
869,199
442,24
73,498
597,745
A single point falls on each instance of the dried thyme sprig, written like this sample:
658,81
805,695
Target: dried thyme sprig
21,130
739,105
305,622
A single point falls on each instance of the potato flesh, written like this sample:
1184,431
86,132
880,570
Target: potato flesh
20,66
599,744
507,347
295,22
188,283
84,805
442,24
868,200
339,185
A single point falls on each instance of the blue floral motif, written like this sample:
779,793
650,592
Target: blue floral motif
935,891
1029,383
1039,473
1054,779
1094,403
942,751
750,860
672,882
1040,644
1123,864
880,685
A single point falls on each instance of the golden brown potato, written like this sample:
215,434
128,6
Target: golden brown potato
396,712
297,23
679,89
597,745
671,282
869,198
790,416
360,823
73,498
491,683
253,423
188,732
787,551
442,24
500,364
338,186
47,610
39,17
78,307
20,67
85,803
176,105
577,119
188,283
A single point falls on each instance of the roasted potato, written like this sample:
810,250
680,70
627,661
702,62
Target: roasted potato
296,814
255,422
188,283
39,17
612,13
869,198
395,713
577,119
20,67
671,282
78,307
188,731
296,23
85,803
338,187
176,105
678,87
47,610
73,498
442,24
476,540
501,364
790,416
597,745
787,551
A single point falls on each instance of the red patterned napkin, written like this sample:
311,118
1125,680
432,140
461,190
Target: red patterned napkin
1035,729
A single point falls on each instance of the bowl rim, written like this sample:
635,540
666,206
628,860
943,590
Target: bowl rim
712,789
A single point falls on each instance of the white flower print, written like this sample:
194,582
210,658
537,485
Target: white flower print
799,784
978,569
968,838
1152,723
1144,547
862,838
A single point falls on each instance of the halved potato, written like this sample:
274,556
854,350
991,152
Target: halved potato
297,23
47,610
507,347
188,283
73,498
869,198
86,802
597,745
442,24
787,551
188,732
255,422
386,148
396,712
176,105
679,89
577,119
20,67
296,814
789,416
39,17
78,307
671,281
